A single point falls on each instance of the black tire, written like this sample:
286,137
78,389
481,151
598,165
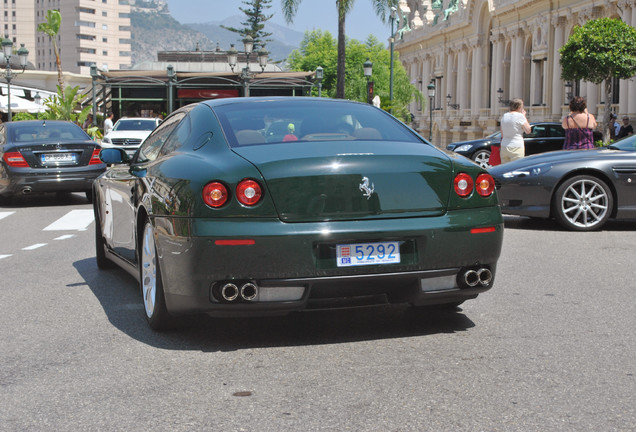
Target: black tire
151,283
583,203
103,263
481,158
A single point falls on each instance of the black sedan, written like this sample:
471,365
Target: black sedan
215,215
581,189
543,137
47,156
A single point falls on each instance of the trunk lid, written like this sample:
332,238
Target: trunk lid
320,181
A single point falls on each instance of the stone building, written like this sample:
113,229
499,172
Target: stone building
481,53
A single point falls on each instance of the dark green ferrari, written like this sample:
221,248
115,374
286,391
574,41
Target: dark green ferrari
252,206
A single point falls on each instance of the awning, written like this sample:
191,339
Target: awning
19,104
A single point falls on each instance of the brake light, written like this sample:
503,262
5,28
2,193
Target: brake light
215,194
463,185
95,158
248,192
15,159
485,185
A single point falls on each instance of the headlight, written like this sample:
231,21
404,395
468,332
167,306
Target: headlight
463,148
527,172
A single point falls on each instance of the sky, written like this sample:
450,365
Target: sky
311,15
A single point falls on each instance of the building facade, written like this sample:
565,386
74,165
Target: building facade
92,32
481,53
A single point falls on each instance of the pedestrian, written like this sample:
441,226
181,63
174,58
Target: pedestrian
614,127
88,122
108,123
579,126
513,124
626,129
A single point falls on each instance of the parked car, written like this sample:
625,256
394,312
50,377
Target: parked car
213,218
129,132
581,189
47,156
543,137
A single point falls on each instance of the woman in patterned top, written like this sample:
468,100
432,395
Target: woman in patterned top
579,126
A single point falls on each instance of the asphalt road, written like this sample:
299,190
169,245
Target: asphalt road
549,348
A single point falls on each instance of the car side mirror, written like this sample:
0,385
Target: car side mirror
114,156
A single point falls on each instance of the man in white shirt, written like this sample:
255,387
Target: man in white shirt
108,123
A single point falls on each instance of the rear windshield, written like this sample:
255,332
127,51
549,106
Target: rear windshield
135,125
270,122
36,132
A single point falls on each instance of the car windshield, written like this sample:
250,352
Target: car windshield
269,122
627,144
36,132
135,125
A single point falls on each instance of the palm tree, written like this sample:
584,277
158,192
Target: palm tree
51,28
381,7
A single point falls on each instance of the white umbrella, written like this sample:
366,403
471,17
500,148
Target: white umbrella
19,104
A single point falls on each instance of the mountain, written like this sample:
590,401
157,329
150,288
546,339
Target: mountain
154,29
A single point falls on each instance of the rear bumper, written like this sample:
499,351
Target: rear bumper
295,259
27,180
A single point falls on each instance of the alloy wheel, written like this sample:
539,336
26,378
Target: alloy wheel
585,203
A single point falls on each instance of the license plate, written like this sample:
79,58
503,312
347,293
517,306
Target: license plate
359,254
48,158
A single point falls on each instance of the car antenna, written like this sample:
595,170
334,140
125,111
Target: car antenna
43,123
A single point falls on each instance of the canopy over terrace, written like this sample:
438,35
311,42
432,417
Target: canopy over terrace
151,93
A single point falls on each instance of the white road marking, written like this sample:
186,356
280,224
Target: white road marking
4,256
35,246
64,237
75,220
5,214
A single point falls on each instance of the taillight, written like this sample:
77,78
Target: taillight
463,185
248,192
215,194
485,185
15,159
95,158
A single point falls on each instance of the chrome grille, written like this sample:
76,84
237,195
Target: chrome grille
126,141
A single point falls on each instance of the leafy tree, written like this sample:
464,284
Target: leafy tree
63,106
255,24
319,48
51,28
381,7
601,50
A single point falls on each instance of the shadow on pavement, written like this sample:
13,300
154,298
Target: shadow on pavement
43,200
118,293
536,224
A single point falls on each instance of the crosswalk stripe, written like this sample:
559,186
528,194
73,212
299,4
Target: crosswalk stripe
76,220
64,237
5,214
4,256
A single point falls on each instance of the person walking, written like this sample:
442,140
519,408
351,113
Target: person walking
513,124
579,126
626,129
108,123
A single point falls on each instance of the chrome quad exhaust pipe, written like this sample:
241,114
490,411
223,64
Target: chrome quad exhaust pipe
249,291
229,292
481,276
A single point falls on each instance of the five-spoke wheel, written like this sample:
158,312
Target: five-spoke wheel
482,158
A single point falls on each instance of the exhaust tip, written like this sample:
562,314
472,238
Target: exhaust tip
485,276
471,277
229,292
26,191
249,291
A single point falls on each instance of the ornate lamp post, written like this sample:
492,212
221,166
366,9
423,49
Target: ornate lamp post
246,73
431,96
171,79
9,74
500,98
319,75
368,70
392,41
568,91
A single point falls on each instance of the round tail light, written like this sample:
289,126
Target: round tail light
463,184
248,192
485,185
215,194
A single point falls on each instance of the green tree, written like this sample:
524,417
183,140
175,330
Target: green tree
381,7
319,48
255,23
51,28
601,50
63,106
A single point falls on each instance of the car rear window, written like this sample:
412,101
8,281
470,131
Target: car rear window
270,122
26,133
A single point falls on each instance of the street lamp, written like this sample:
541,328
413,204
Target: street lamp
431,96
319,76
501,99
568,91
246,73
171,78
368,70
9,74
392,41
449,104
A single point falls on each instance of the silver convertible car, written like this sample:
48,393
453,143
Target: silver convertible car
581,189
